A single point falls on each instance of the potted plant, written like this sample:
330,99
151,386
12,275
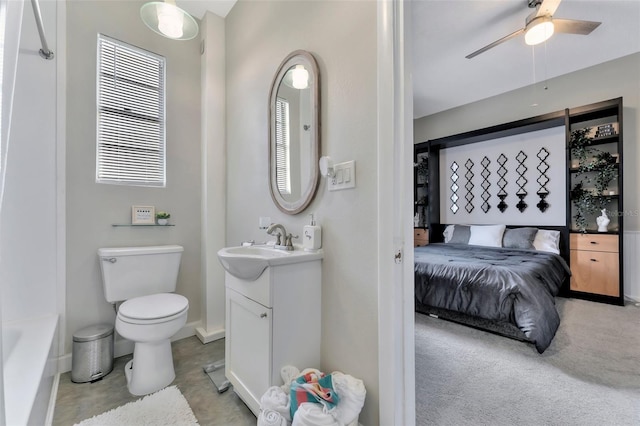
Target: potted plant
595,166
587,202
606,170
422,168
580,144
163,217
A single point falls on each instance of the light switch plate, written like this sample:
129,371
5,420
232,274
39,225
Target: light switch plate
265,221
345,176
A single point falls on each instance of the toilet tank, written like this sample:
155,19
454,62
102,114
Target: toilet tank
129,272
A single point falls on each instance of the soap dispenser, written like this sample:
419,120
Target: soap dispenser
311,236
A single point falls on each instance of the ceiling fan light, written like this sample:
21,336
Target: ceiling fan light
538,30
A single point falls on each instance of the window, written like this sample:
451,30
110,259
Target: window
282,146
130,115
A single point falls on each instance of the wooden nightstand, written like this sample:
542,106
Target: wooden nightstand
595,264
420,237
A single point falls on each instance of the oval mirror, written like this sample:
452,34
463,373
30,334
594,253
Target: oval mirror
294,132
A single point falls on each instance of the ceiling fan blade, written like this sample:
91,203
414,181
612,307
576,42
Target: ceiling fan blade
495,43
548,7
574,26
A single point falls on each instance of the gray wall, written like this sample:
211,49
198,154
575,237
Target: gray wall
609,80
92,208
342,37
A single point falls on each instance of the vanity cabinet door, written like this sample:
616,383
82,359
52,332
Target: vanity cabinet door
248,347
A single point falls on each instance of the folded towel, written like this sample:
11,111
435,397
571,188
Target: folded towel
352,393
315,387
276,399
288,374
310,414
271,418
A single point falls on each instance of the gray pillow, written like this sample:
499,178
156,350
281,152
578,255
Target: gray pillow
461,234
519,238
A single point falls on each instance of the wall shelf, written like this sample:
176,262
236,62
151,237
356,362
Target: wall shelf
603,140
593,232
150,225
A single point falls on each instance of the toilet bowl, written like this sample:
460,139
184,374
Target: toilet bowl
143,279
150,322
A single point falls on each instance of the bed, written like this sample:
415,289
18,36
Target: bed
507,290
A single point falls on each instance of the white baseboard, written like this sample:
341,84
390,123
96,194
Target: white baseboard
631,242
187,331
206,336
123,347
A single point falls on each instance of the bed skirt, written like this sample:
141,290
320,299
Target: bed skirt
502,328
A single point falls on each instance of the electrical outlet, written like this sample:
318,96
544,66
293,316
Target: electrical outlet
345,176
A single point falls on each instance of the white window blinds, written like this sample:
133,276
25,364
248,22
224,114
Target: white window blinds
131,115
282,146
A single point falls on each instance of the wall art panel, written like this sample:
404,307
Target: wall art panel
508,174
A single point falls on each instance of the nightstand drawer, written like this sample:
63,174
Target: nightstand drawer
420,237
594,242
595,272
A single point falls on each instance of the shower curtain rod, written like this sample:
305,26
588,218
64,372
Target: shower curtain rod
44,52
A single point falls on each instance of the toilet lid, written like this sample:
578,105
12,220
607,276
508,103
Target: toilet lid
154,306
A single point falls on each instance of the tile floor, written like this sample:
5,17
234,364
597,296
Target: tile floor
78,401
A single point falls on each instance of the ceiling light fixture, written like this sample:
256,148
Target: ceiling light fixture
538,30
168,20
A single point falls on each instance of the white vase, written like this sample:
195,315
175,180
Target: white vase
163,221
603,221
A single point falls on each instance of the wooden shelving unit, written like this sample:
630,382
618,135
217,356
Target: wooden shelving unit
596,257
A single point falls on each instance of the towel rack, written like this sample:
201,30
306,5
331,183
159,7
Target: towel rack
45,52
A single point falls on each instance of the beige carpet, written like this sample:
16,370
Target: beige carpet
590,375
165,407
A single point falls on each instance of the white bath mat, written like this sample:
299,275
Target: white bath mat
165,407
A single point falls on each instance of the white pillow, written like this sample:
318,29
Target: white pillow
488,235
448,233
547,240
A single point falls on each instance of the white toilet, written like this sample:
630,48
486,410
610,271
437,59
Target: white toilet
143,278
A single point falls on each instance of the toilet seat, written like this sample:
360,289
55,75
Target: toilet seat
153,309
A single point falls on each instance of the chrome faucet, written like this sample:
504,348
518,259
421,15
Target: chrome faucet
282,233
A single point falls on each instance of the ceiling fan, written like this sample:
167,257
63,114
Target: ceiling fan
540,25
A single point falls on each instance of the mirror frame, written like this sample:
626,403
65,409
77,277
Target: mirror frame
295,58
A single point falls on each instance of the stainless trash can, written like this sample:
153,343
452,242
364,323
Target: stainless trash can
92,355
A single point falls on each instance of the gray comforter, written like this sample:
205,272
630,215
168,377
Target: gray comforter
504,285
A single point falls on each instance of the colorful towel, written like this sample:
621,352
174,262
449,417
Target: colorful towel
313,387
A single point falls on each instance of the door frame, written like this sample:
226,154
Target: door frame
396,347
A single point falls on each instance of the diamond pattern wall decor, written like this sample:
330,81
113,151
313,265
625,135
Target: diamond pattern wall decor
469,185
502,183
485,184
521,181
543,179
454,187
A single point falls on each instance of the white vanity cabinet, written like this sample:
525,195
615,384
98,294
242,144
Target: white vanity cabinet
271,322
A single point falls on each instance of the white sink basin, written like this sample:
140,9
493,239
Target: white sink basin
248,263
